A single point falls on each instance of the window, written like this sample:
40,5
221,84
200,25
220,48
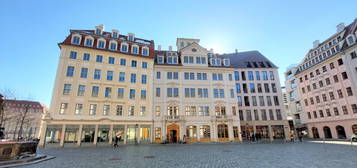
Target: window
324,97
101,44
123,61
133,78
158,75
119,110
157,111
328,113
79,109
354,108
232,93
92,109
278,114
271,75
344,75
67,89
133,63
339,93
252,88
89,42
109,75
309,115
332,66
265,75
157,133
120,93
145,51
86,57
73,55
266,88
254,100
172,92
95,91
340,62
111,60
121,76
241,117
328,82
81,90
250,75
236,75
335,110
269,102
264,114
143,79
349,91
172,60
230,77
131,111
132,94
276,100
108,92
113,46
160,60
70,70
271,114
144,65
97,74
84,72
135,50
106,109
158,92
353,55
99,58
124,48
76,39
315,114
344,110
332,96
143,94
324,69
335,78
142,110
273,88
63,108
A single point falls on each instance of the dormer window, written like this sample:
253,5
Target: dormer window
76,39
226,62
145,51
113,45
98,31
218,62
160,60
89,42
134,49
101,44
350,40
114,33
124,47
131,37
172,60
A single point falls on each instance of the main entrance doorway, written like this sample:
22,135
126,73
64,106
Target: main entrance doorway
173,133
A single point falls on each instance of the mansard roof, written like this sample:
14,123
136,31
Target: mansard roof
249,59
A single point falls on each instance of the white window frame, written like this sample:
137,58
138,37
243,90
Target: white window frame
132,49
127,47
146,48
162,57
116,45
85,41
76,35
353,37
101,39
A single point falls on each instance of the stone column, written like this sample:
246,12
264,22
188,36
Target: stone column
198,133
95,134
270,133
230,131
152,133
43,133
125,130
214,132
240,133
111,134
138,133
62,135
80,130
286,132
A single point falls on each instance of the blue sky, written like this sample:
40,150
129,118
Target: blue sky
283,31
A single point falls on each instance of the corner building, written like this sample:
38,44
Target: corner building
194,96
328,85
259,97
102,90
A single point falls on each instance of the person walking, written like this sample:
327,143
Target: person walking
116,140
300,136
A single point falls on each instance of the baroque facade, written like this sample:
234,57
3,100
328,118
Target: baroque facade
327,85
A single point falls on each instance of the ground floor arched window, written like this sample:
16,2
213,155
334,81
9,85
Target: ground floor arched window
222,131
191,131
327,132
341,134
205,131
315,133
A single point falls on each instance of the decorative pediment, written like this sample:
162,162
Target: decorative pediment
193,48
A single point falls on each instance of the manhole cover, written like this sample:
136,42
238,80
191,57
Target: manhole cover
149,156
114,159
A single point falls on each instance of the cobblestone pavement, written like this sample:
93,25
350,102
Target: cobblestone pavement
284,155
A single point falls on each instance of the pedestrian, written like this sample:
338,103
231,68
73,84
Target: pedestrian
2,135
116,140
291,137
184,139
300,136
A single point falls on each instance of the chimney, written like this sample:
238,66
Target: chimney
340,27
315,43
159,47
170,48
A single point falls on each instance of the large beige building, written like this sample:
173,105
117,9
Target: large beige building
259,96
327,85
194,97
103,89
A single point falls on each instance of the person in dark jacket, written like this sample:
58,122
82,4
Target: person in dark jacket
116,140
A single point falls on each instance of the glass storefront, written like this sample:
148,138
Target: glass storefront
88,134
247,132
53,134
278,131
103,134
131,135
205,131
71,134
118,131
235,132
145,133
222,131
262,132
191,131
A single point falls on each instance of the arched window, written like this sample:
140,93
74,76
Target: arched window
222,131
341,134
76,39
135,49
113,45
88,41
205,131
101,43
191,131
327,132
124,47
315,133
145,51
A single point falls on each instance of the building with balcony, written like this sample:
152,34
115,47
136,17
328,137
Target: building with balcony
103,89
194,96
327,85
259,96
